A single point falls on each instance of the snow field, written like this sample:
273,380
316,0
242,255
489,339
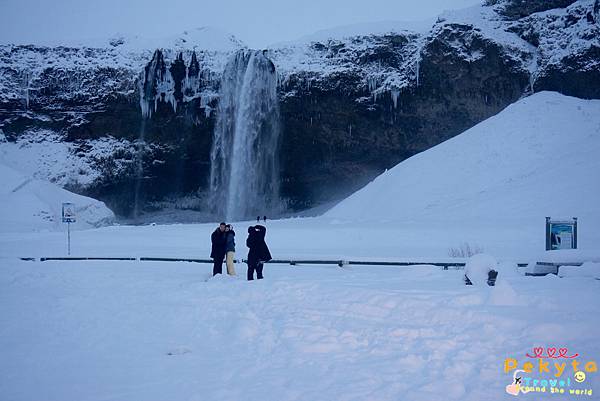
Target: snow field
156,331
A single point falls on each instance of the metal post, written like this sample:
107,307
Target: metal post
69,239
548,235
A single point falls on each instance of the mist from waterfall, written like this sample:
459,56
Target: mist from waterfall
244,179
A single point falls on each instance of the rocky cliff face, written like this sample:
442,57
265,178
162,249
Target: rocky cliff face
134,124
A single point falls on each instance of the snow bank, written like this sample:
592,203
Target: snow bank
536,158
27,204
570,256
588,269
548,262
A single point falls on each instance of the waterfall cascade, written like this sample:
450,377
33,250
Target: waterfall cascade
244,179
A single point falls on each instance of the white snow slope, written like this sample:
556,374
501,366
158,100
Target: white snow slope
28,204
538,157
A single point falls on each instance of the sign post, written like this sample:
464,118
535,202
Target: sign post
68,216
561,234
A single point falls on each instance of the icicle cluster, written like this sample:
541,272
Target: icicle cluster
171,85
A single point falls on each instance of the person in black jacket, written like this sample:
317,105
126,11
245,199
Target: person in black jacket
258,251
217,253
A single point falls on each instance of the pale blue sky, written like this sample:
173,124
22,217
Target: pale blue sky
257,22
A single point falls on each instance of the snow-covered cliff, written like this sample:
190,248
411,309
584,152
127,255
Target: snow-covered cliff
354,100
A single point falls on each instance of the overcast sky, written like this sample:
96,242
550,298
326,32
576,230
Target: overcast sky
256,22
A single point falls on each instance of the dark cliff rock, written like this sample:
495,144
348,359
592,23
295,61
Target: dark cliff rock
332,138
515,9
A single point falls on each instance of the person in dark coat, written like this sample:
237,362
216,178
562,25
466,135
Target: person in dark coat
217,253
258,251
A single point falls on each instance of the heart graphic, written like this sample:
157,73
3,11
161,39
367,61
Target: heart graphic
512,389
562,352
537,352
551,352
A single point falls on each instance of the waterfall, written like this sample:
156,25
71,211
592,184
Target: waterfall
244,178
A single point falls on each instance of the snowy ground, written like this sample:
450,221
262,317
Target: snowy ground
305,238
158,331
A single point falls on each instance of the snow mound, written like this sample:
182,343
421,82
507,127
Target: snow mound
588,269
565,256
547,262
27,204
536,158
478,266
504,294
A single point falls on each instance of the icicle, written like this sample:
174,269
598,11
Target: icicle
418,69
531,83
372,83
395,93
25,78
418,59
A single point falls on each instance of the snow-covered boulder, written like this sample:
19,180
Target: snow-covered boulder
478,268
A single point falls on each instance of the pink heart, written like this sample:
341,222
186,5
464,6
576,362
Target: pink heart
551,352
512,389
562,352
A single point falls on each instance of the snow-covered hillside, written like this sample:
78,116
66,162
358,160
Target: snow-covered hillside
537,158
28,204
